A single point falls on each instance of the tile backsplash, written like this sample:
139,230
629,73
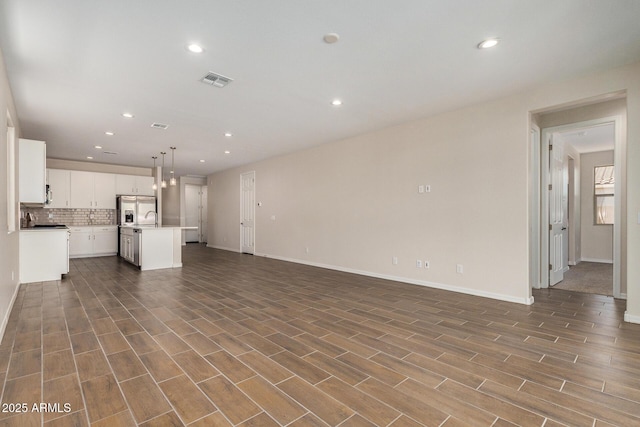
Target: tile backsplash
72,217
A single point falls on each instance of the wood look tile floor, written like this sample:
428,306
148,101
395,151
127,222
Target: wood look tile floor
237,340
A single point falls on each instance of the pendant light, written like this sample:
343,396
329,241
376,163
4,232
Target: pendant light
155,184
172,181
163,184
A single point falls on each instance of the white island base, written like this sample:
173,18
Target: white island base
160,247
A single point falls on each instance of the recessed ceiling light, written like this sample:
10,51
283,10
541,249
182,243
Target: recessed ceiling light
90,157
228,134
227,152
109,133
98,147
486,44
201,160
331,38
195,48
127,115
336,102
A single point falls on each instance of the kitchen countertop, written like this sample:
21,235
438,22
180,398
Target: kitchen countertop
161,227
45,227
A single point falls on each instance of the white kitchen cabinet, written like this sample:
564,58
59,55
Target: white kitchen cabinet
127,244
32,174
104,193
134,185
93,190
93,241
59,182
44,254
80,243
105,240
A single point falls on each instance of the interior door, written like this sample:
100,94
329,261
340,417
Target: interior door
558,233
247,212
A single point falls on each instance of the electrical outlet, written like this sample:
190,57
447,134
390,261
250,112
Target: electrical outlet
426,264
459,269
421,189
418,263
427,189
394,260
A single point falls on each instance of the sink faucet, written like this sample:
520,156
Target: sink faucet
155,214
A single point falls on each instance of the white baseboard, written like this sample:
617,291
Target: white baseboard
224,248
475,292
9,309
631,318
604,261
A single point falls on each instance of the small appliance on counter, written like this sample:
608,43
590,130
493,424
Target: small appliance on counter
29,220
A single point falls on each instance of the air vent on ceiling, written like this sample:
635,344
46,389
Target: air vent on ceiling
216,80
113,153
159,126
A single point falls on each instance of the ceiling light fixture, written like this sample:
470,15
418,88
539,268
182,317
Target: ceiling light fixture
154,187
163,184
90,157
127,115
172,181
98,147
109,133
228,134
227,152
195,48
201,160
336,102
488,43
331,38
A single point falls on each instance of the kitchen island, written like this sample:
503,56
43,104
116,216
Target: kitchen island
151,247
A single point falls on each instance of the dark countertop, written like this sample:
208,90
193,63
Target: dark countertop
46,227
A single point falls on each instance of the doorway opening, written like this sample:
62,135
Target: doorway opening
195,199
576,251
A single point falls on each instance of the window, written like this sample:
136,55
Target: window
604,196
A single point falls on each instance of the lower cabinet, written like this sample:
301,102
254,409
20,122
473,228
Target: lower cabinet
128,245
93,241
43,255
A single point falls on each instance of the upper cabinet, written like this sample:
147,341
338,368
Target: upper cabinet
93,190
59,182
134,185
33,157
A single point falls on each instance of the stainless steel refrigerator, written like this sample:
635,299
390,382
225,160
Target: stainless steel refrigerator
135,211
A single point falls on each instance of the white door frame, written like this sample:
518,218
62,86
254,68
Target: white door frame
619,150
535,206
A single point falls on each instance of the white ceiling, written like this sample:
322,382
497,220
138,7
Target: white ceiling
591,139
74,66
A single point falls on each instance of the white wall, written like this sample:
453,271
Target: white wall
9,264
97,167
597,240
572,159
354,203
